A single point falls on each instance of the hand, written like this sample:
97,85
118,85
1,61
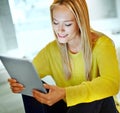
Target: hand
15,86
54,95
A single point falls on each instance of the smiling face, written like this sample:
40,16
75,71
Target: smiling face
65,25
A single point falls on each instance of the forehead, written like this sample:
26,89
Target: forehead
61,12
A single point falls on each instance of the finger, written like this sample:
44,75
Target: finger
46,86
16,85
11,80
16,89
41,97
38,94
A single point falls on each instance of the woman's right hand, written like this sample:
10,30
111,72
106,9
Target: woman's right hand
15,86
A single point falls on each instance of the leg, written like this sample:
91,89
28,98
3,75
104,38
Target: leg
93,107
59,107
108,106
33,106
101,106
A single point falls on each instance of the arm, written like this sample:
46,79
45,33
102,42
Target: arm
107,78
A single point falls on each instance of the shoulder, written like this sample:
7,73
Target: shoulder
51,44
103,40
50,48
103,44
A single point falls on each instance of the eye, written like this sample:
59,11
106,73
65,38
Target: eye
68,24
55,23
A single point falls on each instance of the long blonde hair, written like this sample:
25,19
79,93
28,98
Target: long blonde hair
80,11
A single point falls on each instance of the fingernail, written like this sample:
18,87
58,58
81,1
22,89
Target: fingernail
21,85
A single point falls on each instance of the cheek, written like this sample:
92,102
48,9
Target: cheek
75,30
71,31
55,28
55,31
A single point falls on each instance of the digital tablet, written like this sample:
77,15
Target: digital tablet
24,72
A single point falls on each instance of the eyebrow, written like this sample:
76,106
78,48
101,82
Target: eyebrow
65,20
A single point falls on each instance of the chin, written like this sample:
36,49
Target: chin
62,41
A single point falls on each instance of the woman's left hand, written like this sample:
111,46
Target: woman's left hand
54,95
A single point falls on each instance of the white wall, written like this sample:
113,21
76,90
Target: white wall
7,31
100,9
105,17
118,7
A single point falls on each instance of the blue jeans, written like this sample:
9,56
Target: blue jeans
106,105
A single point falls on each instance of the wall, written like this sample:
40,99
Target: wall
7,32
100,9
118,7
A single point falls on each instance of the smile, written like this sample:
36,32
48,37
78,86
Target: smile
62,36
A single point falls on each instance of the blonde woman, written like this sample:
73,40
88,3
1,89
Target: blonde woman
81,61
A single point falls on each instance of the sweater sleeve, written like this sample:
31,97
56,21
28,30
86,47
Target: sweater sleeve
41,62
107,82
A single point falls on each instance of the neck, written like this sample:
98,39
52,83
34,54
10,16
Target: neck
75,47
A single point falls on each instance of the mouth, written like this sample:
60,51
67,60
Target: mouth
62,36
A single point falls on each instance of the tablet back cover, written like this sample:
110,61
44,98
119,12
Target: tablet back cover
24,72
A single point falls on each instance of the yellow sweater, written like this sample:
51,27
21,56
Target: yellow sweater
104,72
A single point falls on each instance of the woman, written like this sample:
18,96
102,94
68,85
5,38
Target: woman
81,61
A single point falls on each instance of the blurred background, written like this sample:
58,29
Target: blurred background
25,28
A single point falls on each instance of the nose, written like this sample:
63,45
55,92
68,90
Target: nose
61,28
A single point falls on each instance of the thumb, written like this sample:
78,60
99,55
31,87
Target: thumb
46,86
